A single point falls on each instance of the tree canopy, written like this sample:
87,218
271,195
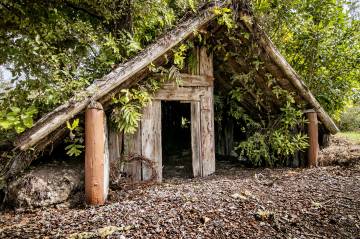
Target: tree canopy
320,39
55,48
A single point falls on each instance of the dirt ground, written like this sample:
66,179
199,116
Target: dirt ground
322,202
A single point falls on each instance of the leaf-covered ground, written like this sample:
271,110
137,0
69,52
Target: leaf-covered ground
235,203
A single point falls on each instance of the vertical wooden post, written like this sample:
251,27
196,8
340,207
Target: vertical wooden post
96,155
151,139
205,67
313,133
195,138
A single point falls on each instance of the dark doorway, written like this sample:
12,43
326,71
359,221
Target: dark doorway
176,139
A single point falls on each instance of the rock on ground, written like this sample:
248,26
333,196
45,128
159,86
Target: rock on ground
45,185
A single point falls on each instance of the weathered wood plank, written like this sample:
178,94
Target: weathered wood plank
151,139
195,139
189,80
115,145
132,145
207,129
179,93
115,140
207,134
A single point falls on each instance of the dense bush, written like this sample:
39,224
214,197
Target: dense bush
350,119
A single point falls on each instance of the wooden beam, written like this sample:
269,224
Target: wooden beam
100,88
195,138
207,128
179,93
313,133
188,80
96,158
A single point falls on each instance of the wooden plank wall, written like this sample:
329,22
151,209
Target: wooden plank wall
151,139
132,145
115,150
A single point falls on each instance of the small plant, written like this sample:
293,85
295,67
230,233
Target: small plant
185,122
224,16
180,55
126,114
75,146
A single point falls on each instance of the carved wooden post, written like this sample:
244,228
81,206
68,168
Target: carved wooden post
96,155
313,133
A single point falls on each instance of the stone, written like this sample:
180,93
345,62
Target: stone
46,185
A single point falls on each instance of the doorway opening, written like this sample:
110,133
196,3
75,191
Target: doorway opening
176,139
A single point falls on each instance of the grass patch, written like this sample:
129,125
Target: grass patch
353,136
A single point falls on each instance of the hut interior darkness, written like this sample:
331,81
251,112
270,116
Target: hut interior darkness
176,139
246,58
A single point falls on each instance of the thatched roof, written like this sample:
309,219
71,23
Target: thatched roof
51,126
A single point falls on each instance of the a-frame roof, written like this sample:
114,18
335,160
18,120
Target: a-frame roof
50,126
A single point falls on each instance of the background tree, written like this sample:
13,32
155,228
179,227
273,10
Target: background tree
321,40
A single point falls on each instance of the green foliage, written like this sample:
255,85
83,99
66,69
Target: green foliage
17,119
350,119
128,105
272,139
224,16
321,40
180,55
75,140
185,123
53,49
127,111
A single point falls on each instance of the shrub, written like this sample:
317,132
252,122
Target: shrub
350,119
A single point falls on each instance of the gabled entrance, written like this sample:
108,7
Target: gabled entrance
176,139
196,90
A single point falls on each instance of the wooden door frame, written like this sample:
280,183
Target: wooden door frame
202,125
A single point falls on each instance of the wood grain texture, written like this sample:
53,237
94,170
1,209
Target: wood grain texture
313,133
132,146
207,133
188,80
207,129
95,154
151,139
179,93
195,139
115,146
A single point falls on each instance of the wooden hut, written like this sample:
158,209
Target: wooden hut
104,145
